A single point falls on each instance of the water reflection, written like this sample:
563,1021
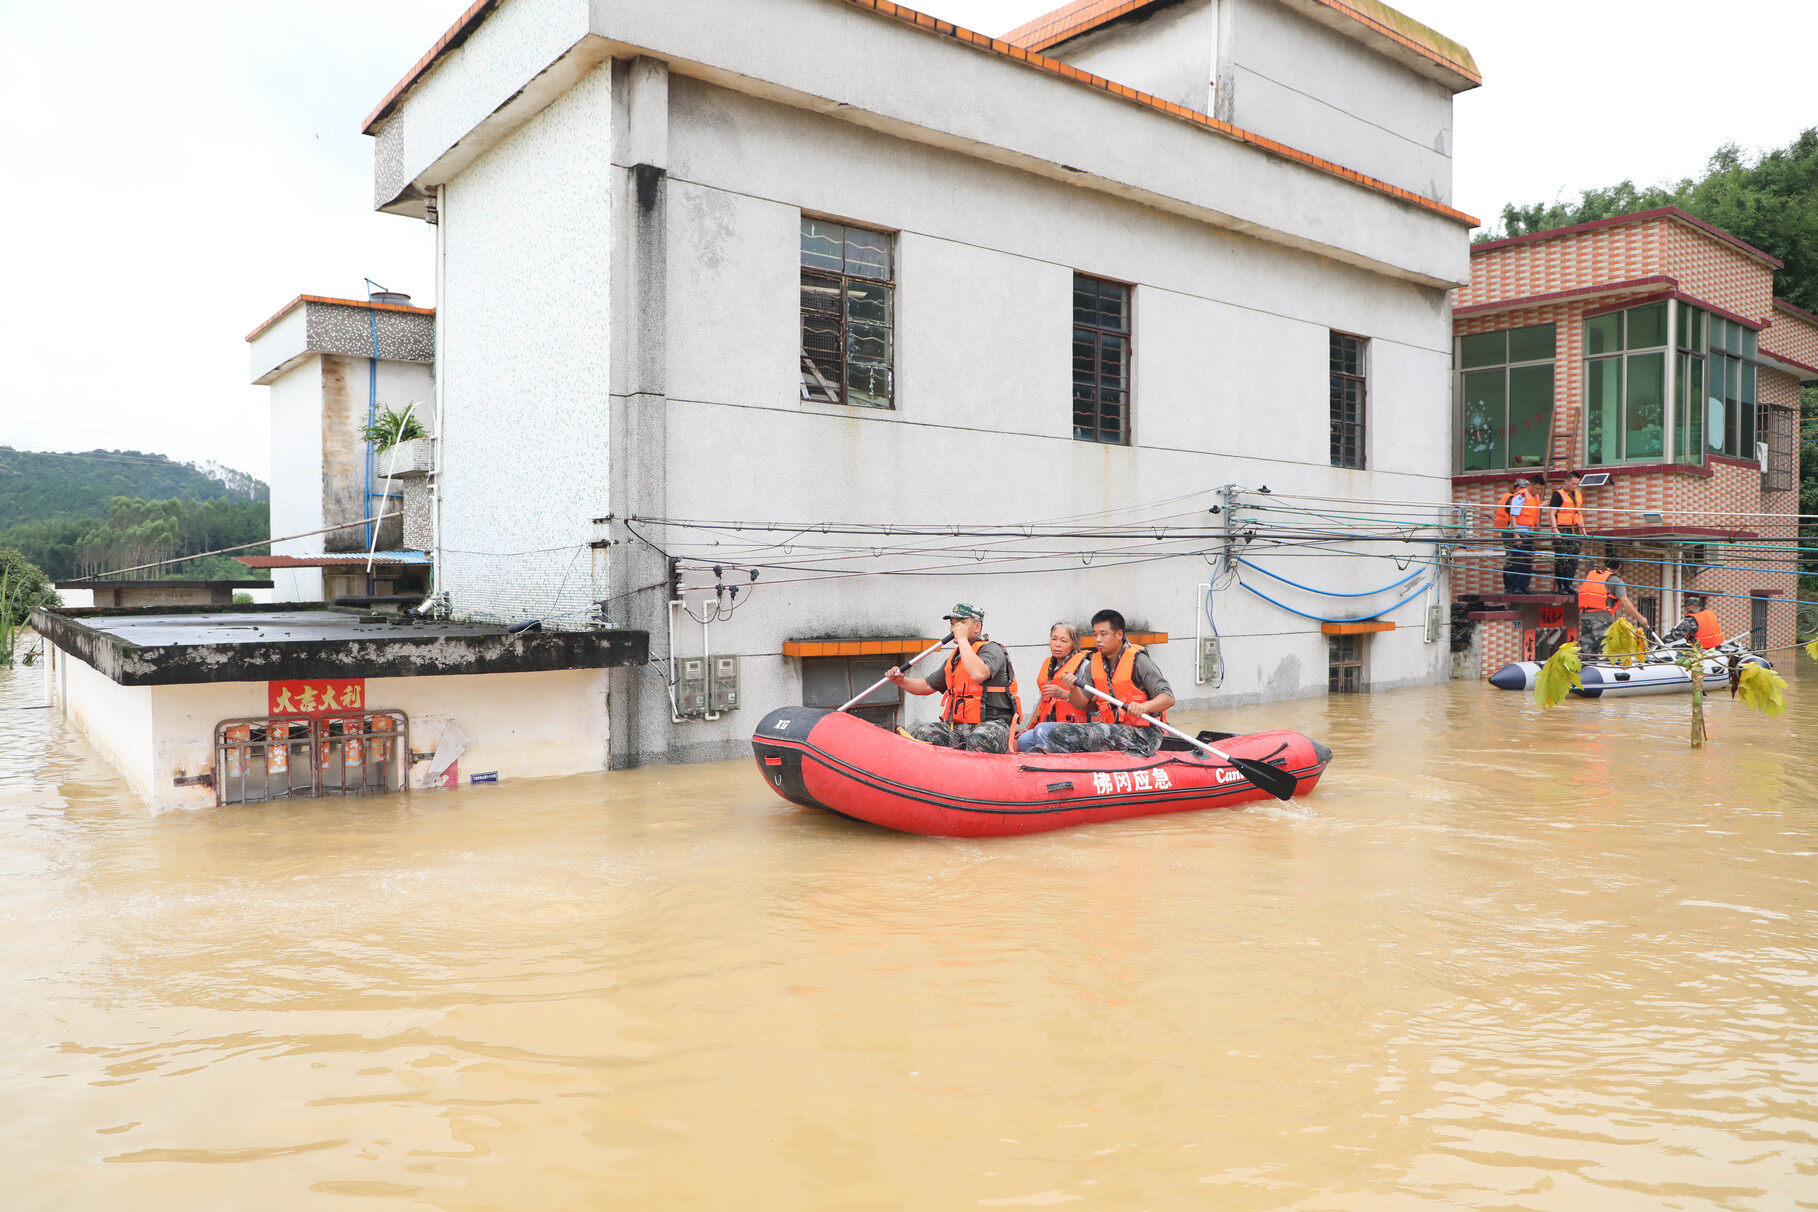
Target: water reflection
1540,961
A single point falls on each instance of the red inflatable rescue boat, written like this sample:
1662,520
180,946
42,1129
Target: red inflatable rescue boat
837,761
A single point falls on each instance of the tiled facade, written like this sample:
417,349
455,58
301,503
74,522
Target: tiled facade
1563,276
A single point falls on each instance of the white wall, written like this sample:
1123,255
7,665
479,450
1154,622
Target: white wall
296,474
1169,54
1231,386
1311,87
523,725
524,331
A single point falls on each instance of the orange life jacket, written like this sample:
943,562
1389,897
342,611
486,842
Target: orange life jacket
1571,513
1710,634
1120,684
1500,519
964,702
1530,510
1594,592
1060,711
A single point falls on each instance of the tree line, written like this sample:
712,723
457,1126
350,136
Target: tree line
135,531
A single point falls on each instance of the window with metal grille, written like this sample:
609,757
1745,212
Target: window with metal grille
1649,606
848,314
832,681
1348,370
1781,425
1101,360
1344,664
285,757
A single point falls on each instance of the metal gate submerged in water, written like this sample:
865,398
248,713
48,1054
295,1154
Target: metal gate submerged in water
275,758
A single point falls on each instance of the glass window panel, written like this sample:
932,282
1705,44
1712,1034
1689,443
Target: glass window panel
1748,349
1485,420
1483,349
1603,410
867,253
823,244
1112,357
1689,442
1603,334
1732,336
1085,300
1644,428
868,343
868,386
1714,423
1113,306
1691,328
1532,343
1647,326
824,682
868,304
1530,414
1746,393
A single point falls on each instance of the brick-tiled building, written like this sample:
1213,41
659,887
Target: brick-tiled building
1650,347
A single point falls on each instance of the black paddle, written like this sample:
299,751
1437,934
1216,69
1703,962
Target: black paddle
1272,779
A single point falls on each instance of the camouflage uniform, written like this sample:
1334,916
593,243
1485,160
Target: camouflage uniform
1091,738
990,737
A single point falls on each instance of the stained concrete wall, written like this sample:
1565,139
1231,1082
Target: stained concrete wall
1169,53
523,725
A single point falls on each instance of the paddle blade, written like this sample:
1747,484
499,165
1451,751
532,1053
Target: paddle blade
1272,779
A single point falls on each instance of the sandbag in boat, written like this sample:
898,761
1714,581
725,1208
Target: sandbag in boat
839,762
1658,673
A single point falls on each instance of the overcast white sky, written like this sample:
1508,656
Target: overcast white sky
178,171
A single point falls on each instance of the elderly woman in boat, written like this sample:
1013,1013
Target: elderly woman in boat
1128,674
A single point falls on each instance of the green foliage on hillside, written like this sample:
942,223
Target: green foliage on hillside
135,531
1769,201
36,484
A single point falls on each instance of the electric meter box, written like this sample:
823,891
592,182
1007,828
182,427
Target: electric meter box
691,687
724,695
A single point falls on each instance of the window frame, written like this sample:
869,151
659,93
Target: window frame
1347,661
871,709
1507,367
1335,379
1667,351
842,281
1098,333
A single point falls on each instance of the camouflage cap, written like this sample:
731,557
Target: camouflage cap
964,610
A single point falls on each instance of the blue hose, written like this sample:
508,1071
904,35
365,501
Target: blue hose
1330,593
1320,618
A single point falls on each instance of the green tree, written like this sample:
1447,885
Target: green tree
26,587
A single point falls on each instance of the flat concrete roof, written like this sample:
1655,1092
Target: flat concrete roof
165,646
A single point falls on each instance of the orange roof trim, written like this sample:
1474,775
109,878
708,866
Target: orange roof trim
1083,16
908,16
286,309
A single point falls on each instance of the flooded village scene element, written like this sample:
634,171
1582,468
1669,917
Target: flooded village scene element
1176,604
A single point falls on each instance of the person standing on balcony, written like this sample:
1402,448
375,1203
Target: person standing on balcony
1518,513
1565,513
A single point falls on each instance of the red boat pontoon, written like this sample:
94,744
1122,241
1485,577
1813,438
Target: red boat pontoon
834,760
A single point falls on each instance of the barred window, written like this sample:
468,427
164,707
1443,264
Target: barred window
1347,370
1344,664
848,314
1101,360
1781,428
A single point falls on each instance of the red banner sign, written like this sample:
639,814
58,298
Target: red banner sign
316,696
1552,616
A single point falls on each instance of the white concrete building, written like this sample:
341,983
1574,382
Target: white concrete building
330,364
844,296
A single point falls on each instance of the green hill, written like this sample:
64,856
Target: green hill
38,485
82,513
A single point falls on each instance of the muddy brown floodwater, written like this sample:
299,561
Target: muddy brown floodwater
1515,960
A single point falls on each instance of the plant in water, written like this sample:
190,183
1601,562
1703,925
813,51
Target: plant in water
391,427
1562,673
1763,690
1693,663
1624,642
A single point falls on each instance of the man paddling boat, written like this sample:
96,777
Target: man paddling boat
1127,673
980,708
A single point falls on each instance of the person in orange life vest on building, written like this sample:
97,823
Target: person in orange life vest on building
1565,513
1700,624
1126,672
980,709
1601,597
1518,513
